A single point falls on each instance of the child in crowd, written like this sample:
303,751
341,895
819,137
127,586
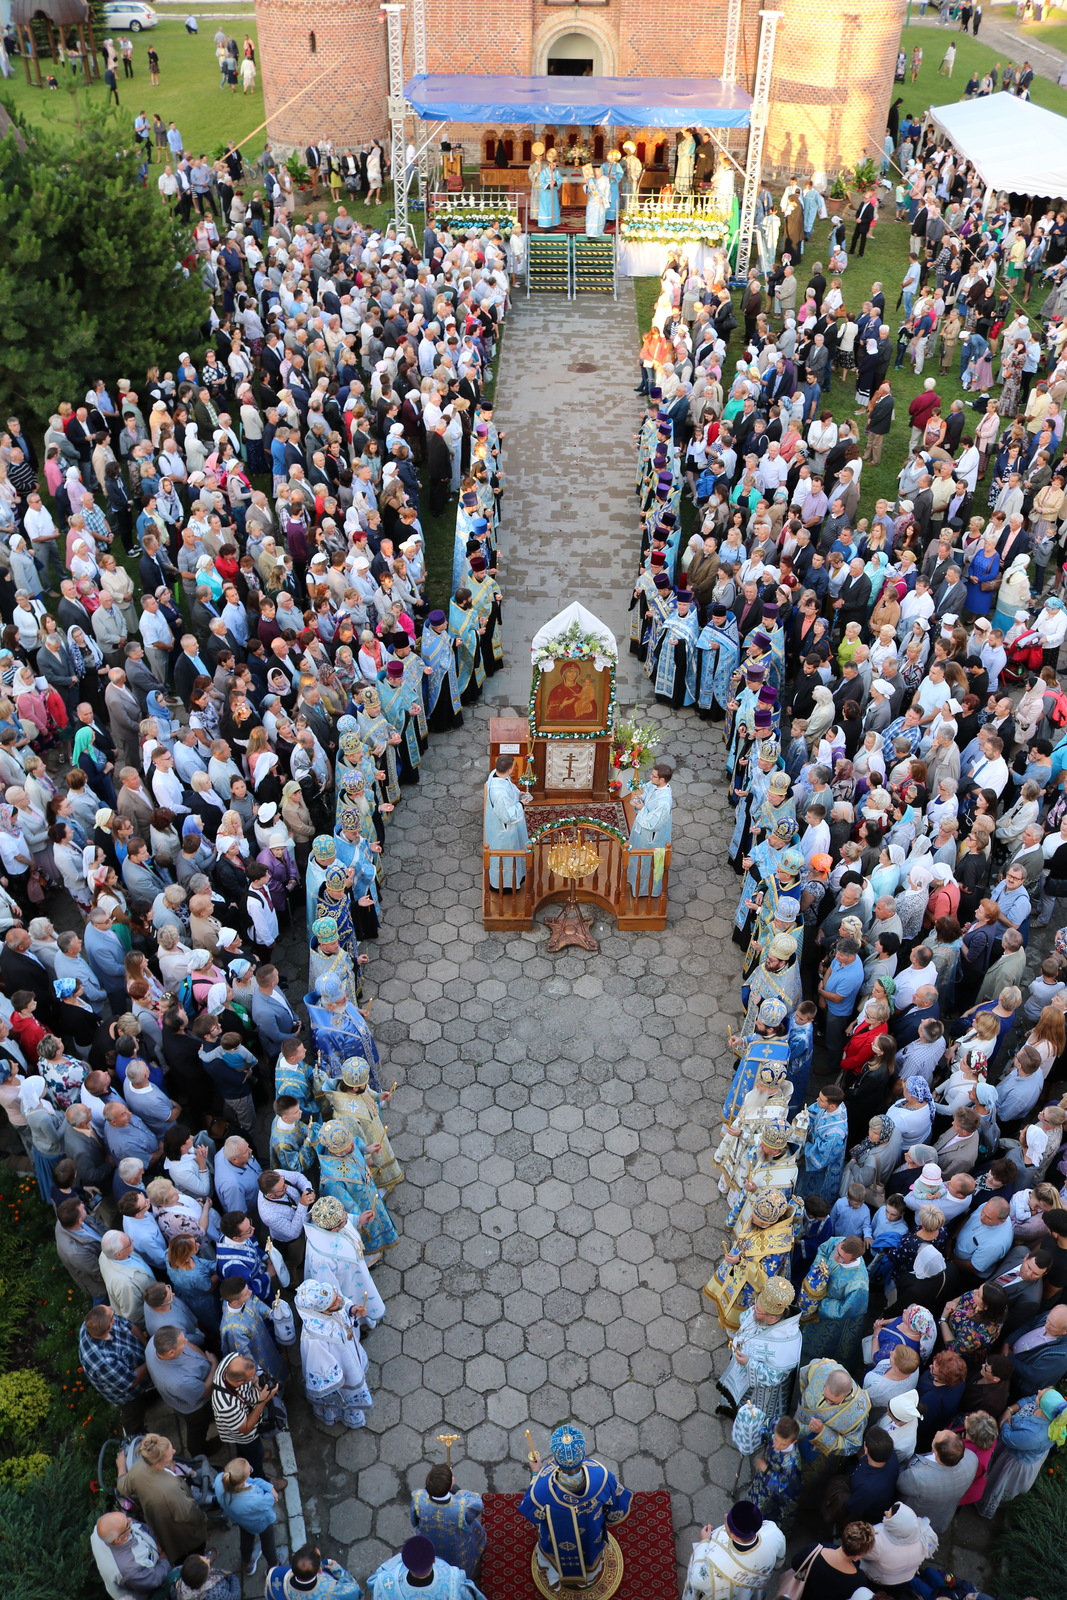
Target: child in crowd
1044,989
801,1048
775,1487
814,1230
851,1214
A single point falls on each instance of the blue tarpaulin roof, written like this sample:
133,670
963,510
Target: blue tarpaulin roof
588,102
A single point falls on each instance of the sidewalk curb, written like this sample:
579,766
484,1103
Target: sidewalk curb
294,1507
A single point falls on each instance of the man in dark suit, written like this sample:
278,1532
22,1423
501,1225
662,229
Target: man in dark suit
70,613
139,675
864,218
189,666
950,595
21,970
153,567
855,595
438,468
748,609
202,612
922,507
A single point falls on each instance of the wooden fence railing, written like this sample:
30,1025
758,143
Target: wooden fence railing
640,907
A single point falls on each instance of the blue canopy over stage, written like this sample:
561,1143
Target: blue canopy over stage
587,102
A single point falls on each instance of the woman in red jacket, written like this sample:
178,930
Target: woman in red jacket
869,1026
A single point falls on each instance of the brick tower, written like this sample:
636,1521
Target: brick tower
832,83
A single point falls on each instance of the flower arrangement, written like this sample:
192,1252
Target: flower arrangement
577,153
667,218
575,645
467,211
633,745
632,749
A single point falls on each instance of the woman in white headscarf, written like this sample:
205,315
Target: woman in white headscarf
822,716
333,1359
911,902
24,574
46,1127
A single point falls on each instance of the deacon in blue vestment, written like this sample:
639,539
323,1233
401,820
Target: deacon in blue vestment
441,686
549,183
573,1502
598,193
452,1518
673,667
720,651
612,170
651,829
418,1573
505,826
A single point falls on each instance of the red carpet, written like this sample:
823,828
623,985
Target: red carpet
609,811
646,1539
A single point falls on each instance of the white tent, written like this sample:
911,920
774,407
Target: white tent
1013,144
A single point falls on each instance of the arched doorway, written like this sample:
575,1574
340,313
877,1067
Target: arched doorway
574,55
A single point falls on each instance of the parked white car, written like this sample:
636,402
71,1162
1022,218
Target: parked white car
131,16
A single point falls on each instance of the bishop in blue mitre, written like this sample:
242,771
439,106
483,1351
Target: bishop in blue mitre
573,1502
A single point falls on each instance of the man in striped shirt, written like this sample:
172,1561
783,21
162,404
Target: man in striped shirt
238,1401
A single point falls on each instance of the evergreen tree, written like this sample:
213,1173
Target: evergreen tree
91,276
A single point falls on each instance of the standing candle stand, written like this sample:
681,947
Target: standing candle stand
573,857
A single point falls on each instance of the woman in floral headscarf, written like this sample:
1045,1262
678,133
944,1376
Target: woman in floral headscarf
333,1359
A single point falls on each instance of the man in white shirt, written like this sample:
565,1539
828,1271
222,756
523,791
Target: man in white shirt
166,785
917,975
284,1200
156,636
44,536
919,603
934,692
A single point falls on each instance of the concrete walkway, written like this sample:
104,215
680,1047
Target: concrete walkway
556,1115
566,404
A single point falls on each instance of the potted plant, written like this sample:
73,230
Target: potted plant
297,171
840,191
864,177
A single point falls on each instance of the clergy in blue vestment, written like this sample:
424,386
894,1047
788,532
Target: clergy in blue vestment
505,826
720,651
238,1255
573,1502
312,1576
674,668
612,170
419,1573
247,1326
323,855
452,1518
651,829
441,685
465,627
549,183
660,607
396,700
598,192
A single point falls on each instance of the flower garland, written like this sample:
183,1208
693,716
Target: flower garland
570,822
469,214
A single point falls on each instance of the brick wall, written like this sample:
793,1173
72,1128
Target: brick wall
832,85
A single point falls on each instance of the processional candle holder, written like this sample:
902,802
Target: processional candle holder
572,857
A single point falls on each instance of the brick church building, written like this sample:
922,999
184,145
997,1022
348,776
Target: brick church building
831,87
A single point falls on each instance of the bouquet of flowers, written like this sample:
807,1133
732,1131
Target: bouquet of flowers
632,748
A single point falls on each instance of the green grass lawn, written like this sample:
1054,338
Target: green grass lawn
930,89
188,92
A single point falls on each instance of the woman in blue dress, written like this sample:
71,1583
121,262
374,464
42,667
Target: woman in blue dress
193,1280
984,569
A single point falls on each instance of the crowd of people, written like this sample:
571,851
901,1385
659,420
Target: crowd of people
213,696
895,1284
